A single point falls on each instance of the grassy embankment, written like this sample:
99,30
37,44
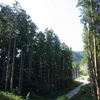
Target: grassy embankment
9,96
84,93
57,95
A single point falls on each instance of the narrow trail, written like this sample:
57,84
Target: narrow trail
76,90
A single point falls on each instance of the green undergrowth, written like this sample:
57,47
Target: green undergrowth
9,96
62,98
59,94
32,96
84,93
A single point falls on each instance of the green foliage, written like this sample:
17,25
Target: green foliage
60,94
78,55
42,64
83,61
82,53
34,88
84,72
35,97
9,96
90,12
84,94
79,58
62,98
75,64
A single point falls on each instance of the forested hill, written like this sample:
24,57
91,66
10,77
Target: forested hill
78,55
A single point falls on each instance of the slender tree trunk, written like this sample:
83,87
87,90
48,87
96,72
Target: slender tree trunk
52,79
20,70
8,57
56,77
48,77
96,67
13,64
4,70
30,66
63,73
96,87
41,81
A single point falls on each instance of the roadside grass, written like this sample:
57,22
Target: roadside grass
82,78
58,95
9,96
84,93
62,98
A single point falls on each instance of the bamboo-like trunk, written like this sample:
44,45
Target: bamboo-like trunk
41,81
96,87
30,65
8,57
4,70
48,77
13,63
20,71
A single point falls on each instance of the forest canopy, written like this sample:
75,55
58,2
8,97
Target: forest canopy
31,60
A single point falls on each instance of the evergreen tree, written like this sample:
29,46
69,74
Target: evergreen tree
90,19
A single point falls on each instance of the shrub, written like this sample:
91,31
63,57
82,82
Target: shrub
62,98
35,88
84,94
35,97
84,72
9,96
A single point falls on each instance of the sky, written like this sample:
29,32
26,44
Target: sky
61,16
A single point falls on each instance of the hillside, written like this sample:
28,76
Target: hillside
78,55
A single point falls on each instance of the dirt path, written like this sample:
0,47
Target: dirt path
76,90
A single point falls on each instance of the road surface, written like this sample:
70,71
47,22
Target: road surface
75,91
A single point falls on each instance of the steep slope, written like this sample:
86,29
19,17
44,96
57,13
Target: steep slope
78,55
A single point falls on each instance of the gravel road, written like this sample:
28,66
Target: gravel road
75,91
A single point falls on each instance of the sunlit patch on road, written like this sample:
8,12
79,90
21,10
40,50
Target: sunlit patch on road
76,90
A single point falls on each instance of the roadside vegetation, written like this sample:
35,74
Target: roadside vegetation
9,96
84,93
32,96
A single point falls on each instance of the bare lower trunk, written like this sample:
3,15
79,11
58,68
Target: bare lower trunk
30,66
13,64
41,81
4,70
48,77
8,57
20,71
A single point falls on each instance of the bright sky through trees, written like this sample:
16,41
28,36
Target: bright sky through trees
60,15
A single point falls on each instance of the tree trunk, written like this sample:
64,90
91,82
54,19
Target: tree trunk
13,64
8,57
96,86
30,66
20,71
4,70
48,77
63,72
41,81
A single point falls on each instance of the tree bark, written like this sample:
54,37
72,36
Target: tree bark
30,66
8,57
20,71
13,63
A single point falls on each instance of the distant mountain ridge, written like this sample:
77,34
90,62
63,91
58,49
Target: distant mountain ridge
78,55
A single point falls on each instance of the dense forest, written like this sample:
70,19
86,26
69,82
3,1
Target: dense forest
36,62
90,18
31,61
